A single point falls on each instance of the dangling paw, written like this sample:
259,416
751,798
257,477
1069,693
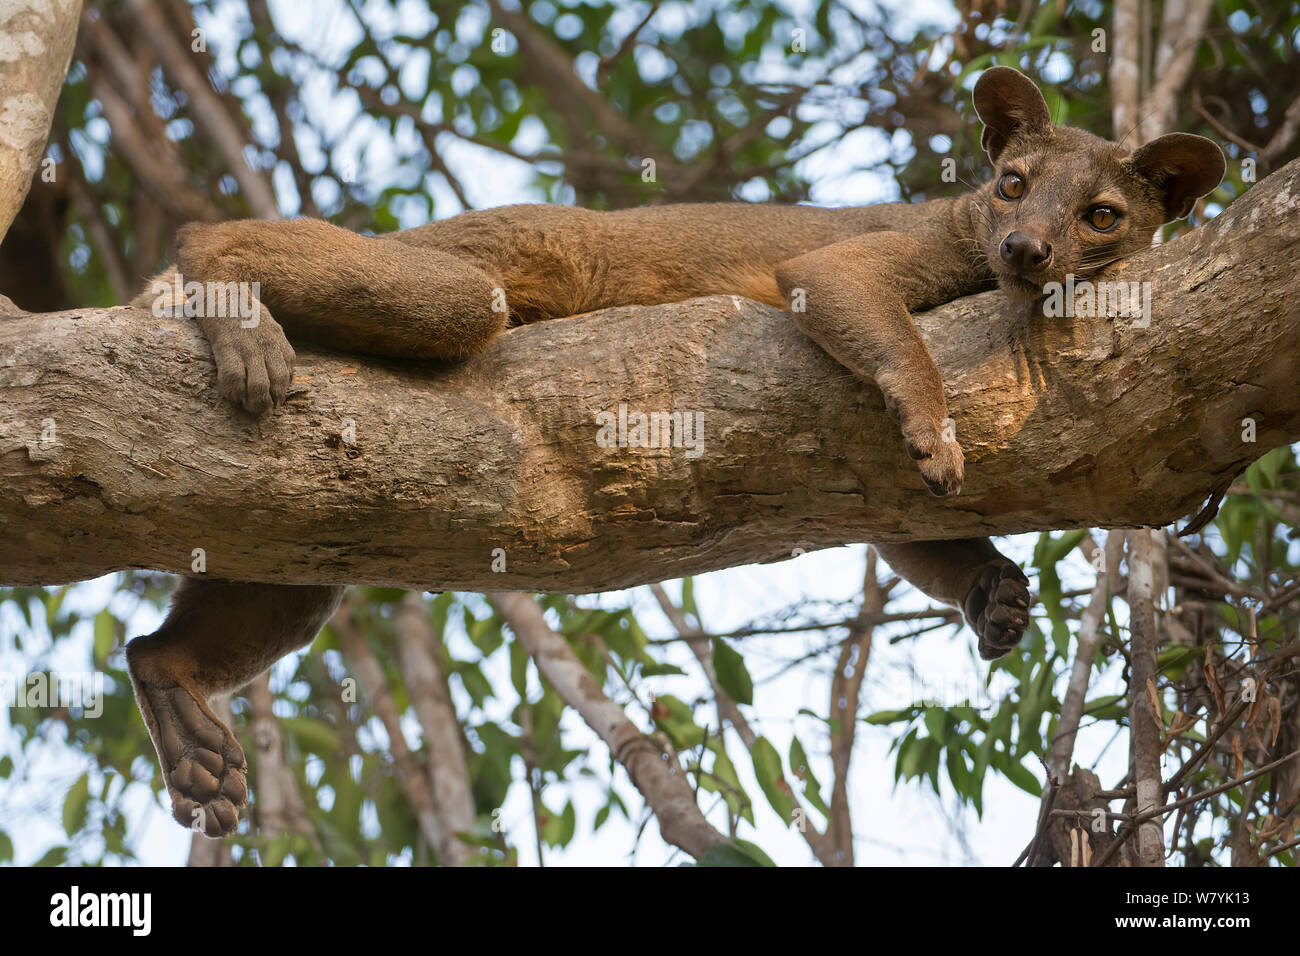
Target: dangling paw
997,608
202,762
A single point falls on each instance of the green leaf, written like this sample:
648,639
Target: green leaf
958,772
733,854
275,851
754,853
733,676
911,756
812,789
890,716
74,805
53,602
679,723
767,768
6,766
1017,773
1000,727
727,783
688,599
519,669
936,721
105,633
6,847
1037,697
475,683
982,756
1058,548
656,669
558,829
54,856
313,736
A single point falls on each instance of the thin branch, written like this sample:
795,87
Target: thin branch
1144,735
420,653
414,783
206,108
845,698
666,792
701,646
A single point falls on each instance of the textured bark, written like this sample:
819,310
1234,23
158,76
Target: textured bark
36,39
1065,422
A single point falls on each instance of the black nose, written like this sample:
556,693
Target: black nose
1025,252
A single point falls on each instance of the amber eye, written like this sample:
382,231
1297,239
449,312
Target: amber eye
1102,218
1011,186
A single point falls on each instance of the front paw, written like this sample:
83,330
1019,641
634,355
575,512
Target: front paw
933,446
254,365
997,608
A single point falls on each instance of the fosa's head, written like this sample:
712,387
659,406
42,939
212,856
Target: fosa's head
1064,201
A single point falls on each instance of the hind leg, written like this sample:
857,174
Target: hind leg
969,573
217,637
318,281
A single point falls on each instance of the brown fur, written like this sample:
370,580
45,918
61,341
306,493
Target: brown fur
430,292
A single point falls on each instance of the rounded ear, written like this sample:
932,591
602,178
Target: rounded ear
1183,167
1007,101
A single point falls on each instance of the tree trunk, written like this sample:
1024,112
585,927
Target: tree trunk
36,40
116,453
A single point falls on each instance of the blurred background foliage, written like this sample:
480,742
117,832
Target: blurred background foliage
382,115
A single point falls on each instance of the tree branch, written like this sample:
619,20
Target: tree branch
415,785
1146,724
115,451
206,107
701,645
420,654
666,790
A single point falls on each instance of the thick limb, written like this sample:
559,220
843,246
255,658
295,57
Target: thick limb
852,298
324,283
969,573
217,637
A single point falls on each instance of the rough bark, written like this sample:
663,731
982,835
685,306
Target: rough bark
36,39
1069,422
